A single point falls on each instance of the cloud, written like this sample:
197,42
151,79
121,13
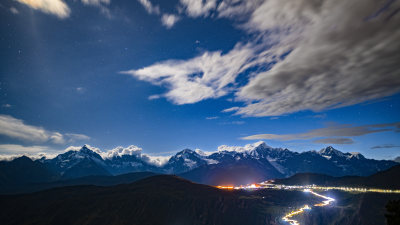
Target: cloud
101,4
12,151
236,122
17,129
322,55
96,2
334,130
385,146
6,106
80,90
77,137
14,10
212,117
150,8
54,7
343,56
196,8
169,20
210,75
341,141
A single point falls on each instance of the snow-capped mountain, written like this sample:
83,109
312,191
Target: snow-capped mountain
253,162
77,163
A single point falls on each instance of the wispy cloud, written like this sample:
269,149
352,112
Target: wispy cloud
101,4
340,141
11,151
150,8
330,133
212,117
385,146
196,8
209,75
318,62
17,129
14,10
169,20
55,7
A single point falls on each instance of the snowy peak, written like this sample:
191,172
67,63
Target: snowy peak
246,148
330,151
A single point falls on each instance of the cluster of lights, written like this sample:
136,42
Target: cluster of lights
265,185
241,187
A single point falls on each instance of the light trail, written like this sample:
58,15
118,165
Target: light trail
287,217
324,203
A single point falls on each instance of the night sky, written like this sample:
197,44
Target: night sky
169,75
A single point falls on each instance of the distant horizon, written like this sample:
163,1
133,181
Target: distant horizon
166,155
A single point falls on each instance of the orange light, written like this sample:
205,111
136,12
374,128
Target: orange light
225,187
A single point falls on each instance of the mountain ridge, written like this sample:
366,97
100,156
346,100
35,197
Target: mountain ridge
259,161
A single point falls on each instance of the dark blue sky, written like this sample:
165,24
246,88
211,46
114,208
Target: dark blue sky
61,75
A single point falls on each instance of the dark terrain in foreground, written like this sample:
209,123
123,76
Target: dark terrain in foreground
167,199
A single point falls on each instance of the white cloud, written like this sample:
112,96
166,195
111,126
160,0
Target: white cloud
77,137
11,151
209,75
101,4
150,8
212,117
14,10
169,20
345,53
196,8
330,133
338,54
120,151
55,7
17,129
96,2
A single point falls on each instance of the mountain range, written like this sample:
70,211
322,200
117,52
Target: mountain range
229,165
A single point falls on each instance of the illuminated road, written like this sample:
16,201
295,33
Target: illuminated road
287,217
309,189
326,202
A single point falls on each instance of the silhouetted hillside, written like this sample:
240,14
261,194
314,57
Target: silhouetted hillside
89,180
155,200
384,179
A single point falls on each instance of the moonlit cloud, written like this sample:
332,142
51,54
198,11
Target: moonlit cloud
55,7
340,141
324,54
385,146
196,8
14,10
212,118
17,129
96,2
343,56
331,133
101,4
77,137
149,7
12,151
209,75
169,20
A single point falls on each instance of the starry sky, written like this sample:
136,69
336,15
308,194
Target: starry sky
169,75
